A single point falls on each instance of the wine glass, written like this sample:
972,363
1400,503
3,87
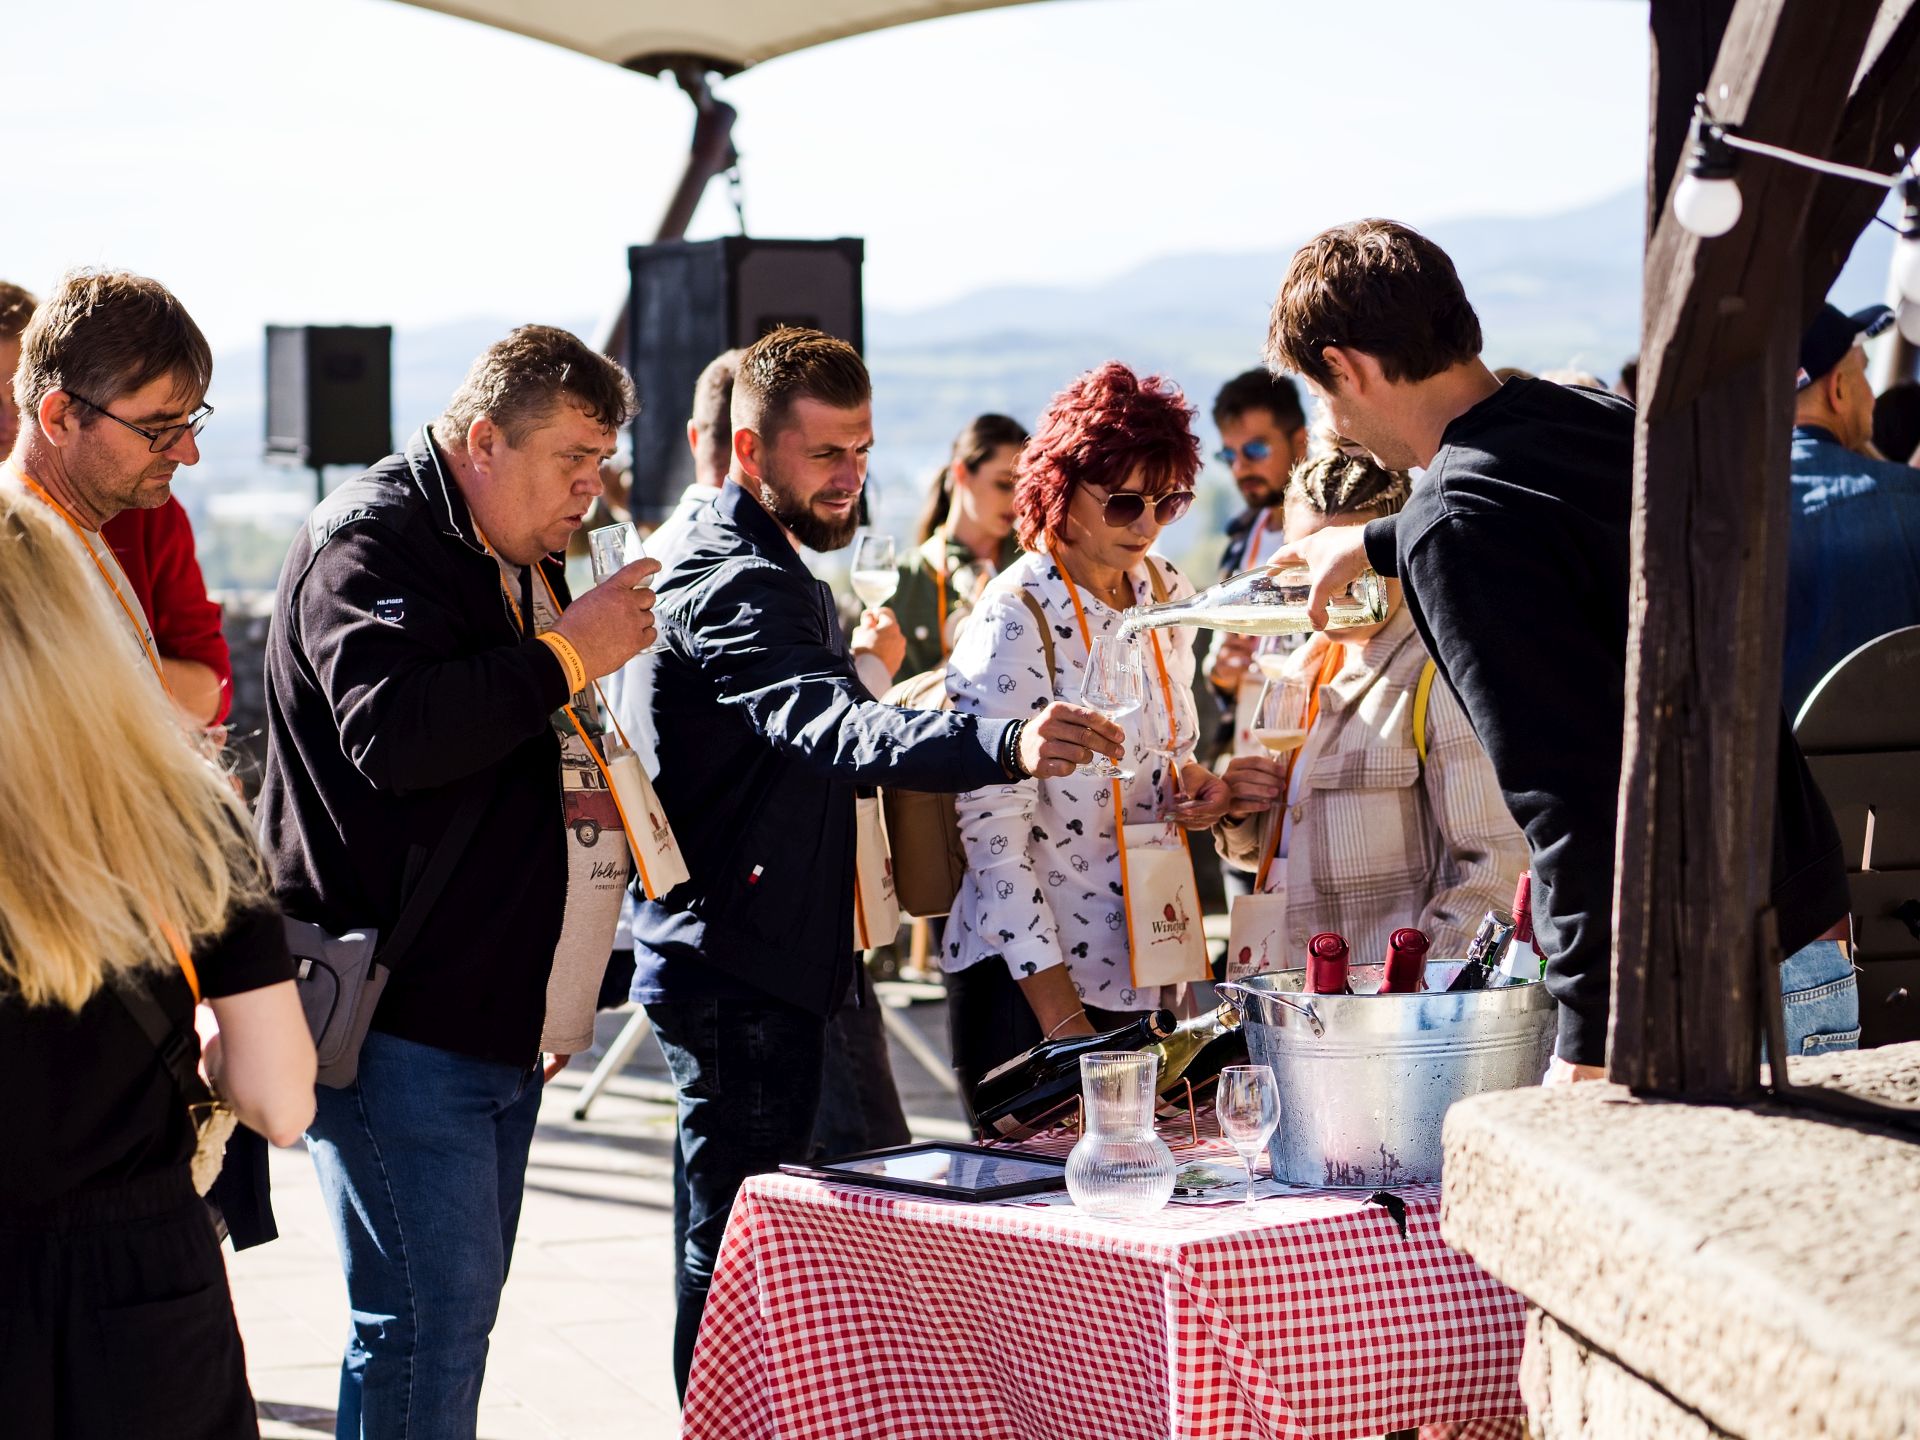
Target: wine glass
1280,719
1248,1106
613,547
876,571
1162,734
1112,686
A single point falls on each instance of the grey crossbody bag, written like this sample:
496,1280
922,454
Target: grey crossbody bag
340,977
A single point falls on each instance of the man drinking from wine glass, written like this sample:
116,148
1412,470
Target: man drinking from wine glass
1513,555
765,730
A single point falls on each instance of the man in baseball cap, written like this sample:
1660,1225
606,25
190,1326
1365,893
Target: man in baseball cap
1853,548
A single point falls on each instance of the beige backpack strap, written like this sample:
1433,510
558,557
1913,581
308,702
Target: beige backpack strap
1157,581
1046,631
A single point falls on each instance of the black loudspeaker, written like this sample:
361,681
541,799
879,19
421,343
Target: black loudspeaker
330,393
692,299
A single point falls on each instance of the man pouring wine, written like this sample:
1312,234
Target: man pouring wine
1512,552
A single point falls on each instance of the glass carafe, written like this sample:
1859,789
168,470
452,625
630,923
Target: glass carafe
1120,1167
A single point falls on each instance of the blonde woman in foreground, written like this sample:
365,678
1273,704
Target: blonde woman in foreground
125,867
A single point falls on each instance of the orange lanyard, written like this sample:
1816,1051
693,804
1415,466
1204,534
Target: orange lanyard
139,625
1251,556
1330,664
579,729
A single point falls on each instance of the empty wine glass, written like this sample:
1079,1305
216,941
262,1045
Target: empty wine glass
614,547
1248,1105
1112,686
1164,731
876,570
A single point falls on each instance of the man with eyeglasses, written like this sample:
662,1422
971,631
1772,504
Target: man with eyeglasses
111,386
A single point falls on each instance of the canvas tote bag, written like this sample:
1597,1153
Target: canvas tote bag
876,908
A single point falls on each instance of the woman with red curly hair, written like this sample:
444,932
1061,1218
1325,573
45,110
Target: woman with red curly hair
1037,942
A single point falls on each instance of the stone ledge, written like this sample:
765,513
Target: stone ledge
1762,1267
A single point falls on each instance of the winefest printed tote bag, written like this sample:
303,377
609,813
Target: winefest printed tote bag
654,847
1163,907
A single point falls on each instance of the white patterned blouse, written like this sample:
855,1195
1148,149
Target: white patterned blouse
1042,886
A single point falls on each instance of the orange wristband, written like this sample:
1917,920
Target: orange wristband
569,657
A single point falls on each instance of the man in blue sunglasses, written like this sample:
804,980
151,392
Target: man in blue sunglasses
1263,435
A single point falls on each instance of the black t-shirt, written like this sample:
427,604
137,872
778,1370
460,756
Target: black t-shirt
1514,553
88,1100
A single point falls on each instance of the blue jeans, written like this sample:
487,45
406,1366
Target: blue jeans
747,1070
1820,996
422,1161
859,1102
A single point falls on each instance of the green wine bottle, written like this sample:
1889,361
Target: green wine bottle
1179,1050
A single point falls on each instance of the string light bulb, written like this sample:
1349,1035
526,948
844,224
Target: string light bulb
1906,254
1707,200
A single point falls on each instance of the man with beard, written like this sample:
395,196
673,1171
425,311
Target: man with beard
765,730
1263,435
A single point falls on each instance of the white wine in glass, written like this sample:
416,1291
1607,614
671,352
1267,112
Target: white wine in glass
875,571
1280,742
1280,720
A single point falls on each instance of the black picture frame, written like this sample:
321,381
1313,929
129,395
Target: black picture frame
837,1171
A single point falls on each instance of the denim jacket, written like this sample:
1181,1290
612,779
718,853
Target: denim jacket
765,730
1853,557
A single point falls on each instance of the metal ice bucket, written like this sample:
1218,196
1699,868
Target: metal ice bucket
1366,1079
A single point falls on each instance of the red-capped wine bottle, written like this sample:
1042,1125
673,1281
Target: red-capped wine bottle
1483,955
1327,958
1036,1087
1406,968
1523,960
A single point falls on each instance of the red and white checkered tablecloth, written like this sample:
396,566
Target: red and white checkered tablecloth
839,1312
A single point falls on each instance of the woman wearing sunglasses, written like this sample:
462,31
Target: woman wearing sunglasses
1037,943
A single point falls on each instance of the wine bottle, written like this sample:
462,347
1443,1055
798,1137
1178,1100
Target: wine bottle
1181,1051
1406,967
1327,957
1264,602
1483,955
1523,960
1034,1088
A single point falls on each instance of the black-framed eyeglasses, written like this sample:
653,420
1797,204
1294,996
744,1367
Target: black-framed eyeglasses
1254,450
158,441
1125,506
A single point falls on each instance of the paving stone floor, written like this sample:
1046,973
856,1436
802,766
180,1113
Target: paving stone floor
583,1346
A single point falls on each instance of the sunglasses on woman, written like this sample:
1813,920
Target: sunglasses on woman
1123,507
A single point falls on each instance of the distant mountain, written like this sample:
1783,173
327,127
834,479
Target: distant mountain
1551,291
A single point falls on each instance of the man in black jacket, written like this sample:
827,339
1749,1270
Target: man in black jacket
424,657
1514,558
765,730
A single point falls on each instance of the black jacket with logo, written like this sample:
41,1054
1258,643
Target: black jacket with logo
765,731
397,678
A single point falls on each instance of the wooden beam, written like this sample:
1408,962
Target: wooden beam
1720,327
1686,37
1883,111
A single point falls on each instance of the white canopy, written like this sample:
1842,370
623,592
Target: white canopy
729,34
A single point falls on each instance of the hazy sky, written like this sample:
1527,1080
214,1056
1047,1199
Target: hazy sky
342,160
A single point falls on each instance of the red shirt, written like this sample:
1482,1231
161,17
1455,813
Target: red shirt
155,548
